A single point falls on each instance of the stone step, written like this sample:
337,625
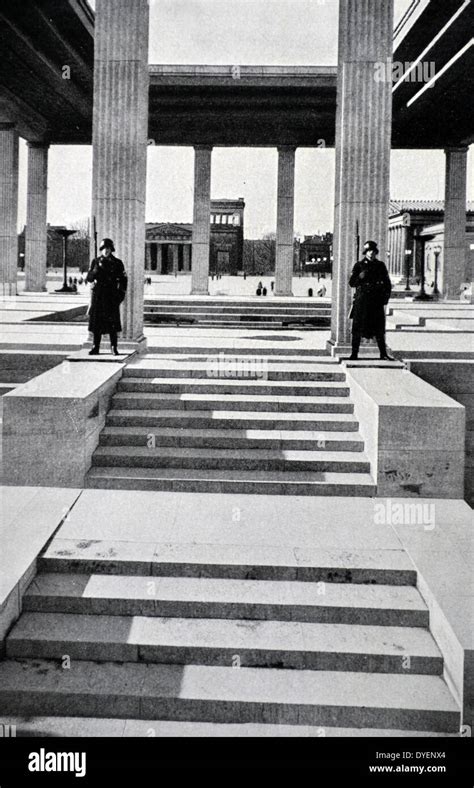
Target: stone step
252,302
184,597
242,367
238,562
159,349
84,727
263,307
182,641
315,361
215,459
232,481
237,386
233,439
233,419
286,404
198,693
178,321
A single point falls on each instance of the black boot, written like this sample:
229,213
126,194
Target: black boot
355,347
96,347
113,343
383,349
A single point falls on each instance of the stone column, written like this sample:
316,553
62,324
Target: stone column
404,247
201,220
390,251
148,256
187,258
159,258
120,131
9,168
363,139
399,251
175,252
36,235
455,221
285,221
418,253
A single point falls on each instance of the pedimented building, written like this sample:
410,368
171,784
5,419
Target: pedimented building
169,244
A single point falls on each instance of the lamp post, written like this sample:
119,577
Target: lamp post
64,233
408,254
437,253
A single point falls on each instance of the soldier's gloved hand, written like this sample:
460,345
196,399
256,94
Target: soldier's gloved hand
362,275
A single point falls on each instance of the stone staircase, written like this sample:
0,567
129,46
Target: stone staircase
241,424
263,312
228,635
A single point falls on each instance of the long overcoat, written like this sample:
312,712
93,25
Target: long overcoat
109,280
371,295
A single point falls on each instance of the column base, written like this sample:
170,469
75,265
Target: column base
197,291
367,352
35,290
283,294
126,347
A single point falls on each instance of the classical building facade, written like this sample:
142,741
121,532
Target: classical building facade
316,253
416,238
169,245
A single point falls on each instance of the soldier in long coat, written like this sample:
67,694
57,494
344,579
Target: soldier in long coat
372,292
109,286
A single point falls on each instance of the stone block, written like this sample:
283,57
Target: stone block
52,424
414,433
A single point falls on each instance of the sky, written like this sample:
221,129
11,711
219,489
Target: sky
244,32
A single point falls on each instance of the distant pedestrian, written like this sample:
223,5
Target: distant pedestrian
321,291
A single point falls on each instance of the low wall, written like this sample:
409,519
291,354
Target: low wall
51,424
30,516
456,379
414,434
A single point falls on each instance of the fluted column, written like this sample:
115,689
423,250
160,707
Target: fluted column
455,221
390,250
120,131
285,221
396,251
187,258
36,234
9,169
404,244
363,138
175,258
201,220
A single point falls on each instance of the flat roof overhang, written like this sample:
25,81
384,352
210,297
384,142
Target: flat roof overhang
228,105
243,106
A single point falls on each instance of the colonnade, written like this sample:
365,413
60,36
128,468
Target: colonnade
120,131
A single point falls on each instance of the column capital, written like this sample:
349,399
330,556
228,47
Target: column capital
204,147
456,149
39,145
286,148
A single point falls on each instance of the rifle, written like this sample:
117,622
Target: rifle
96,251
357,241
